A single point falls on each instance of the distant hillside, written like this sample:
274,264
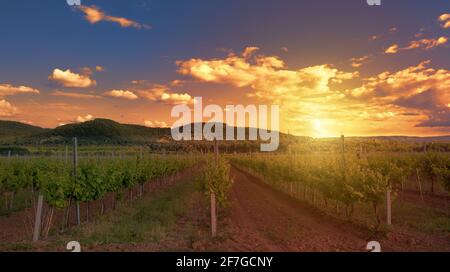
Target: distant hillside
103,131
98,131
108,132
11,131
413,139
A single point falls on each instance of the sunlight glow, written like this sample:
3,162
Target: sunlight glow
319,130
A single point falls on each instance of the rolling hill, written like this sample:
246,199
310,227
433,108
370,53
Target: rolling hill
98,131
11,131
109,132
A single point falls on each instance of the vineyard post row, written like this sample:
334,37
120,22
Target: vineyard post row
388,188
38,217
216,183
75,171
371,179
213,195
124,178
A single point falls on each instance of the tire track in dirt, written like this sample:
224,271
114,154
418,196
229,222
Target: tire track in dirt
263,219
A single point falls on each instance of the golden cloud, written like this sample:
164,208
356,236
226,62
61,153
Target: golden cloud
374,37
391,31
301,94
420,88
392,49
163,94
315,95
358,62
82,119
125,94
444,19
72,80
425,44
155,124
75,95
6,109
94,15
8,89
410,81
248,52
265,74
176,83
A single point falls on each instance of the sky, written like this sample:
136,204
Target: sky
332,66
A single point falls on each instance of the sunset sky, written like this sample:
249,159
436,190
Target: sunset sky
332,66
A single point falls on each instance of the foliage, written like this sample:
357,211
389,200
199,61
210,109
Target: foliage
55,179
216,179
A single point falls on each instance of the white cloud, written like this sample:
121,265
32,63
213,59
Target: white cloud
72,80
155,124
75,95
124,94
163,94
6,109
8,89
81,119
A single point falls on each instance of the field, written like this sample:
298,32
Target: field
129,199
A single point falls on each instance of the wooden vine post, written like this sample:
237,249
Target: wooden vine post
420,184
75,166
389,206
213,195
38,218
343,151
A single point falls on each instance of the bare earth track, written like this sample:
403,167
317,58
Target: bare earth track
263,219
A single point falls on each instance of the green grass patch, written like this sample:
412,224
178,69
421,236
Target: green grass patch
420,218
147,220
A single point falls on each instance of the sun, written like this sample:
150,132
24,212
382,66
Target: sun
319,130
317,124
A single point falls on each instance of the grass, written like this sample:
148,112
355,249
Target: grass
406,214
18,247
148,220
420,218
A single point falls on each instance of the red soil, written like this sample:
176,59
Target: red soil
264,219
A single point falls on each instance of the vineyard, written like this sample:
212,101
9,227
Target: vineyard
338,183
63,185
63,191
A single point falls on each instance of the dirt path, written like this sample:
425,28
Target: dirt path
263,219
